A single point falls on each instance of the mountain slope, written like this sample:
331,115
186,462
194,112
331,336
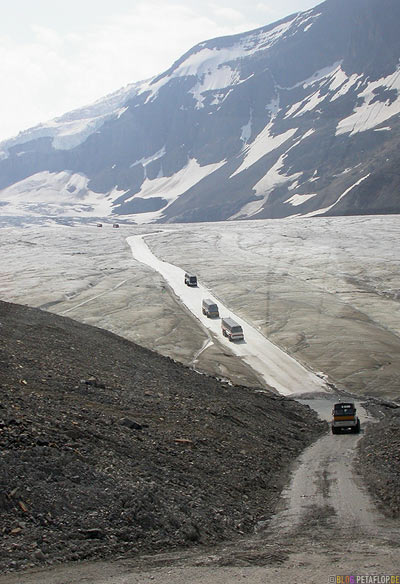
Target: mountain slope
108,447
300,117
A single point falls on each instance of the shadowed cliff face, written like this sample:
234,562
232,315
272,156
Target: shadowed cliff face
299,117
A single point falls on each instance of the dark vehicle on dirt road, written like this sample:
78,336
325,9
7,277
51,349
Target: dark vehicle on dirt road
344,417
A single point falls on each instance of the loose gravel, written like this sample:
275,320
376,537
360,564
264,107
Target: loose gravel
107,448
379,458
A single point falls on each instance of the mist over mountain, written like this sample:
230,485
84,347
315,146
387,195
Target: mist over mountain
297,118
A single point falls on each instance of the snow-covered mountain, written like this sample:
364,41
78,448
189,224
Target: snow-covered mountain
298,118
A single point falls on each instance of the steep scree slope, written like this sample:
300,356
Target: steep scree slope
107,447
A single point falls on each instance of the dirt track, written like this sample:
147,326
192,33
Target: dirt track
326,525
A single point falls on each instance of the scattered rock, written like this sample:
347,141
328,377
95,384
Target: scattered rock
93,382
130,424
379,461
39,555
94,533
79,475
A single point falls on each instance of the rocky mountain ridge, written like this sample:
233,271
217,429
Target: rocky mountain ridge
298,118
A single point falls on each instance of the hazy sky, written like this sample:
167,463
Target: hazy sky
57,55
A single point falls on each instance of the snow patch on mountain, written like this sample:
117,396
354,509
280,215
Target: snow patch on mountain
146,160
326,209
299,199
265,39
246,129
213,66
264,143
310,103
316,77
261,40
338,81
381,101
223,77
71,129
219,98
170,188
208,66
54,194
263,188
273,178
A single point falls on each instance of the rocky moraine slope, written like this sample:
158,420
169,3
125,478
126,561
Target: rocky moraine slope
107,447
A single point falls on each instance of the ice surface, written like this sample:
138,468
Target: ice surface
278,369
325,291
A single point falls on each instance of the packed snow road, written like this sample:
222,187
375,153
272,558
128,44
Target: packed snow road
273,365
313,289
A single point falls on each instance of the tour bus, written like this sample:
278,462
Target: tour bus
232,329
209,308
190,280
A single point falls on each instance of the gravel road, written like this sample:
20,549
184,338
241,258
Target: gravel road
326,525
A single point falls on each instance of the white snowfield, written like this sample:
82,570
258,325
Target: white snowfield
55,194
276,368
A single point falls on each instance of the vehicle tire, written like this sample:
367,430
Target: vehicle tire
356,428
334,430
